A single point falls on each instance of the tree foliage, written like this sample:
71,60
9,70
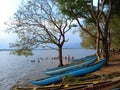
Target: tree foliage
115,7
98,15
88,41
115,31
39,22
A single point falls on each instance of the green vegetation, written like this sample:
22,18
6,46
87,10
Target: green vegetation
39,23
42,22
89,42
115,31
96,18
71,79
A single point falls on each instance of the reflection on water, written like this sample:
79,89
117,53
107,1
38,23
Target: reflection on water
15,69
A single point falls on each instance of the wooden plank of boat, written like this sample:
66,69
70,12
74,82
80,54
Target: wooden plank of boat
79,72
51,87
113,83
72,67
107,84
62,86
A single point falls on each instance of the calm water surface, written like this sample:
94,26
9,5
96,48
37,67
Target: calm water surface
19,69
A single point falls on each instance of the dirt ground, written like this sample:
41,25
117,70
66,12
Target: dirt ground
114,66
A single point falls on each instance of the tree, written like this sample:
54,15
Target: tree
115,7
37,23
114,24
115,31
89,42
98,15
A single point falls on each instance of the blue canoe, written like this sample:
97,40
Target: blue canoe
71,67
77,72
73,62
84,59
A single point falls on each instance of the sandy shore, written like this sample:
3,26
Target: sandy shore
112,69
114,66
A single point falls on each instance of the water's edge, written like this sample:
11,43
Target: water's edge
20,69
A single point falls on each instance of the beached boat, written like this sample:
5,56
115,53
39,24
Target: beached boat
71,67
84,59
77,72
73,63
107,84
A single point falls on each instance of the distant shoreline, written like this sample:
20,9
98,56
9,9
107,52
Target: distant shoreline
36,49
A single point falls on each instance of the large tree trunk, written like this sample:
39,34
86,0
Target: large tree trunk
106,33
98,45
60,56
105,50
106,43
98,41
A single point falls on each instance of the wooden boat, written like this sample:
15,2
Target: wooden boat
71,67
78,72
103,84
61,86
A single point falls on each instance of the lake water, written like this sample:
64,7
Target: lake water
20,69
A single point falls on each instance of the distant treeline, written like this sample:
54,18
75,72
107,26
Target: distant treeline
35,49
8,49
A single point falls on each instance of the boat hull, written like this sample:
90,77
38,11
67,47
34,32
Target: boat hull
84,59
73,62
72,67
79,72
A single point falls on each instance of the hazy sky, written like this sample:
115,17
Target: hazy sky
7,9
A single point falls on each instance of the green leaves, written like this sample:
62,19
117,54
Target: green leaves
115,31
26,52
74,8
38,23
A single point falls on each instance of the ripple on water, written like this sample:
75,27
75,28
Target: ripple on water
18,70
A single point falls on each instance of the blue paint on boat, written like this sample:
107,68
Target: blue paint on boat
84,59
74,61
71,67
78,72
